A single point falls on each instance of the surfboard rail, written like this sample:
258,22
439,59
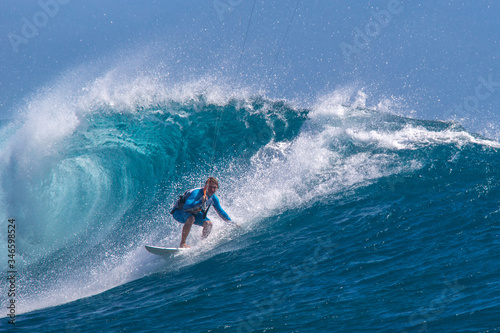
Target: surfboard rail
162,251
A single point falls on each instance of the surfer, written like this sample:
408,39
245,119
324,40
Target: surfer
192,207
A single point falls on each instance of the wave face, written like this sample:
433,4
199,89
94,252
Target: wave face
354,219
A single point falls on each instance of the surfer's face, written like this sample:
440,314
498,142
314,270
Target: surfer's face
211,188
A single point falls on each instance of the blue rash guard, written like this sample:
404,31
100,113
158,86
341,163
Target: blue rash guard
192,206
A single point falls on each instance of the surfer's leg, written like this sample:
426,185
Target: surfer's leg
207,227
185,231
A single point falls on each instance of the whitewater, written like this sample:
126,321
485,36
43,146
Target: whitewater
355,217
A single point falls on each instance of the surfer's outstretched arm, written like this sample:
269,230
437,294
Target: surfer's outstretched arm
223,215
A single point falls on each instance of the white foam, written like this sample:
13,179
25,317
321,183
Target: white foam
411,137
338,103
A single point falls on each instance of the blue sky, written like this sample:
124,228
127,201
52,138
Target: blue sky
439,59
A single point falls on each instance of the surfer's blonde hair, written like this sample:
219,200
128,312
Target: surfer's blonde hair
212,180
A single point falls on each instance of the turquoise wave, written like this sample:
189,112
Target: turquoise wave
89,189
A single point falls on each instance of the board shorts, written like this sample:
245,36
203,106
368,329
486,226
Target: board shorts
182,216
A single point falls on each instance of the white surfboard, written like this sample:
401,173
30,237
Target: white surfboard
163,251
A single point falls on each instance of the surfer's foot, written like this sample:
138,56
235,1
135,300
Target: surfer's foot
184,246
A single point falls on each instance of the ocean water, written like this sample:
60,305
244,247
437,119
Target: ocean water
354,218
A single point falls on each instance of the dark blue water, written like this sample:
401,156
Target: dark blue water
354,219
